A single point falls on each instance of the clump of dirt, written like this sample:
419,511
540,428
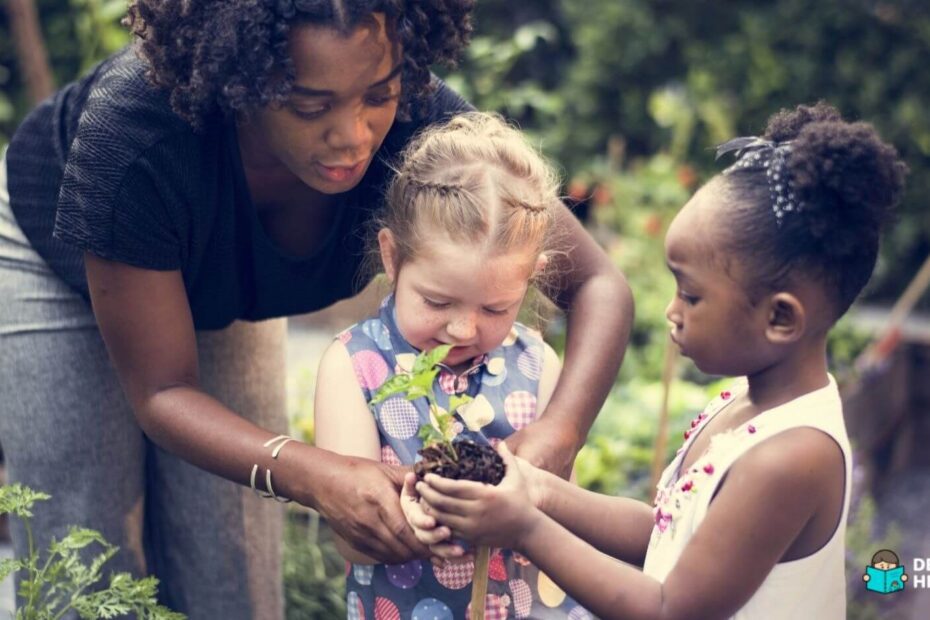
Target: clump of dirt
478,462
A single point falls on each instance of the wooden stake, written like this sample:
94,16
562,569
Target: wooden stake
668,374
479,585
888,340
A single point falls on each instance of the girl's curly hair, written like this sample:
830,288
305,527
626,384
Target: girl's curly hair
221,56
849,181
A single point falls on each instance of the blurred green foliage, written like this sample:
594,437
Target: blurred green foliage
628,97
678,77
314,572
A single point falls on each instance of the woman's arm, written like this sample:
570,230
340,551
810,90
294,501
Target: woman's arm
342,421
145,319
767,499
599,306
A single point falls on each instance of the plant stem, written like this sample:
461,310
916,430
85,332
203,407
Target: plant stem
33,570
479,585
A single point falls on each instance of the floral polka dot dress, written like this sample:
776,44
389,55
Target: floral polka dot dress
504,384
810,587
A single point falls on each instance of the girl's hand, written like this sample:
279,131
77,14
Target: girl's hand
495,516
425,527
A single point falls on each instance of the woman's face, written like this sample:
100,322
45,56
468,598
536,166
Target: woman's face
342,105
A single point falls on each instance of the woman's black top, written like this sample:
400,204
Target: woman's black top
105,166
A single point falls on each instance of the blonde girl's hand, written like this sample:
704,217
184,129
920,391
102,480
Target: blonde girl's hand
496,516
424,526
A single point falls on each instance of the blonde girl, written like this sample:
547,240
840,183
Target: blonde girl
466,231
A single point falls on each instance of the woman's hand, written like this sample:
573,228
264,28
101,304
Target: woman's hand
549,443
360,502
496,516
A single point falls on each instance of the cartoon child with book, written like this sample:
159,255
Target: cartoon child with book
885,575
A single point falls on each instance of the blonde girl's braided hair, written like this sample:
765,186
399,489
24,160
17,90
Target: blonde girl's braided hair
474,179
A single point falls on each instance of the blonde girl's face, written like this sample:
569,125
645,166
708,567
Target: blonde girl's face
453,293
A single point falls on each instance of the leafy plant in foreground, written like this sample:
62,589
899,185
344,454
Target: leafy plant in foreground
63,581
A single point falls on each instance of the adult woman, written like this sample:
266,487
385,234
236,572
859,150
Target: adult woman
228,188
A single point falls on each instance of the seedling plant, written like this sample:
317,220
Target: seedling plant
461,459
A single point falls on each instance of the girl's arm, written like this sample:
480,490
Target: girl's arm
145,319
768,498
560,498
617,526
600,314
342,421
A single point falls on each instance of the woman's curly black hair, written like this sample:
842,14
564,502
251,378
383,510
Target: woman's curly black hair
848,181
222,56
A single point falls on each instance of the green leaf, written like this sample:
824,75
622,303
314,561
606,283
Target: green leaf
457,400
426,360
9,566
17,499
78,538
395,385
429,435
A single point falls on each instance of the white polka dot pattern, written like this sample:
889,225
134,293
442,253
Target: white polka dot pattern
431,609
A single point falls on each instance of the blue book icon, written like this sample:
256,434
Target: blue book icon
884,581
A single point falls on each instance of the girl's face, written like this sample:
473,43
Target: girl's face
452,294
342,105
713,321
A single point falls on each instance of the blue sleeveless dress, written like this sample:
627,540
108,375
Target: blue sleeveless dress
504,384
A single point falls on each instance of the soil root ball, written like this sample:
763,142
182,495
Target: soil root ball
475,461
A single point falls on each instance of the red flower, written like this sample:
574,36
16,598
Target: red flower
687,433
708,469
725,395
751,429
687,485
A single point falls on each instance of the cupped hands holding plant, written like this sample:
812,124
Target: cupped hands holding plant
482,514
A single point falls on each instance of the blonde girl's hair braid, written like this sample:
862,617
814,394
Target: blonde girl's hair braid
473,179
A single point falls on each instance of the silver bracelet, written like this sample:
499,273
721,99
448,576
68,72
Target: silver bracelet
276,444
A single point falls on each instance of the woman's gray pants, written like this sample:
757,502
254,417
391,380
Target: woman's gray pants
67,429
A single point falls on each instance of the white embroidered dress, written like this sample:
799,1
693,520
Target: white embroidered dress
810,587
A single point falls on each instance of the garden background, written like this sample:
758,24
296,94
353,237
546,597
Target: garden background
629,97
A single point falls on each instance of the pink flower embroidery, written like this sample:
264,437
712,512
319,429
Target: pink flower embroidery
709,469
687,485
725,395
663,519
751,429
